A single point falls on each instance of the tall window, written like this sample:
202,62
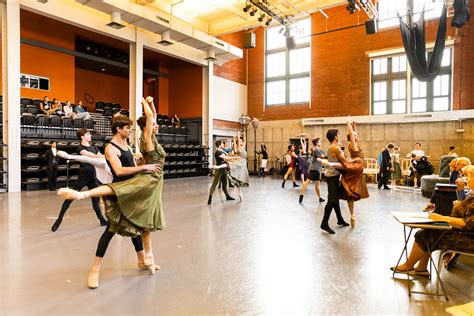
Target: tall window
388,10
287,71
392,79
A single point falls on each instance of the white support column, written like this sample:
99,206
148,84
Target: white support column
11,90
136,86
208,105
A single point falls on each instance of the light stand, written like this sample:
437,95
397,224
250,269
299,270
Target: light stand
255,125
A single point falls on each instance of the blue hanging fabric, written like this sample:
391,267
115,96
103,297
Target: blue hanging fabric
414,42
461,13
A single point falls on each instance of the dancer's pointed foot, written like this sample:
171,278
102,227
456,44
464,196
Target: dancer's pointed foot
56,225
209,200
150,263
353,221
229,198
301,198
322,200
283,184
143,266
295,185
69,194
93,279
64,155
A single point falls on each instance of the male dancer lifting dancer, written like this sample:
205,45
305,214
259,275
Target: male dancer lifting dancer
120,159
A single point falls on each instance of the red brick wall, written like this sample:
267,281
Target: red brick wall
233,70
340,71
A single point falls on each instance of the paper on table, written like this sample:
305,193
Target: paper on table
413,217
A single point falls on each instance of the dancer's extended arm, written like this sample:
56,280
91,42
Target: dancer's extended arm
350,132
149,123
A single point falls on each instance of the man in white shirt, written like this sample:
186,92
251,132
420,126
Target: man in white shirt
417,152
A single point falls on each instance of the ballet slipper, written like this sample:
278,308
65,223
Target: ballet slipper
143,266
150,263
93,279
353,221
69,194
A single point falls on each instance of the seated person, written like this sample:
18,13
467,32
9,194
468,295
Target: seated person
452,152
417,152
462,220
455,167
81,113
175,120
68,112
56,108
413,175
45,107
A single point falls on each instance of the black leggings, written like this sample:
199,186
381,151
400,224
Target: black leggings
83,180
107,237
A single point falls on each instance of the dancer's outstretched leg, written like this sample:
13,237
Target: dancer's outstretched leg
69,194
303,189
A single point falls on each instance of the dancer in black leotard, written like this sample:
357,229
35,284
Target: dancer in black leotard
87,177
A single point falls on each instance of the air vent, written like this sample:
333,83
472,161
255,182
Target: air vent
418,116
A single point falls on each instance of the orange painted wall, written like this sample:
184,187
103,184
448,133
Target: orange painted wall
163,92
185,90
102,87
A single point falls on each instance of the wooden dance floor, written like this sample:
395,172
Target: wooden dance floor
266,255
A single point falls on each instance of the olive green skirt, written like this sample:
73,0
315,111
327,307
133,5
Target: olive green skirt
136,206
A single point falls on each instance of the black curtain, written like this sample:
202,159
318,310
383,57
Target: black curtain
413,36
461,13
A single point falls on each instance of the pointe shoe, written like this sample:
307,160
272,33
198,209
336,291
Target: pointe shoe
93,279
143,266
150,263
353,221
70,194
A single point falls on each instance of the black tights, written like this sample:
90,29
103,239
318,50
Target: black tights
107,237
327,213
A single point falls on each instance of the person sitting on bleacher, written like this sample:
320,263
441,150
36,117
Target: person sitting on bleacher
175,120
80,112
45,107
68,111
56,108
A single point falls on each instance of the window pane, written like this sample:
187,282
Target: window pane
380,91
418,88
419,105
299,90
274,38
276,64
379,66
380,108
441,104
399,89
300,60
432,9
446,58
399,106
388,12
441,85
301,30
276,92
399,64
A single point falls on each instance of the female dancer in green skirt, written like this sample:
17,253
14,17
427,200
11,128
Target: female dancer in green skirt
137,208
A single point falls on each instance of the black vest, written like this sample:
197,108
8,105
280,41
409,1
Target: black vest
126,159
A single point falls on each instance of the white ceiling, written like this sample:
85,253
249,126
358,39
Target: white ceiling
218,17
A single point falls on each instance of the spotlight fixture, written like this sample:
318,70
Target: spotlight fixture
269,20
247,7
261,17
165,39
116,21
254,10
366,5
352,6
